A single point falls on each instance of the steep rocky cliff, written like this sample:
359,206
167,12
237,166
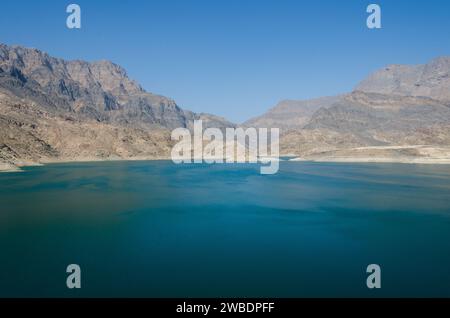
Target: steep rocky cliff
52,109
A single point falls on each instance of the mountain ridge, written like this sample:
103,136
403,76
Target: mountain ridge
424,80
58,110
400,106
55,110
100,90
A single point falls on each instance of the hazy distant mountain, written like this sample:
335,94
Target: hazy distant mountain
52,109
291,114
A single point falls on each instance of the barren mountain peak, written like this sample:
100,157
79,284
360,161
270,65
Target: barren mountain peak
427,80
53,109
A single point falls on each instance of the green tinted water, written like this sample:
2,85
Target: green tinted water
154,229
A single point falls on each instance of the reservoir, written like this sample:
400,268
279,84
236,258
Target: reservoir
155,229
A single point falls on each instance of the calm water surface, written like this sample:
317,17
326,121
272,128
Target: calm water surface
154,229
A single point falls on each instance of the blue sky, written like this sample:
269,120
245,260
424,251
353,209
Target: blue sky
235,58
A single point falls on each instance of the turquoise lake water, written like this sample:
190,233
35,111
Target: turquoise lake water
155,229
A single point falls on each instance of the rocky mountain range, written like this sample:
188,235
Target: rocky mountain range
53,110
400,113
57,110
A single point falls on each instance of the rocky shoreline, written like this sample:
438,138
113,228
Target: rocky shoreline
364,158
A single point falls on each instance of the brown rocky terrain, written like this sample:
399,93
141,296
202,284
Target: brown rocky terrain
404,107
57,110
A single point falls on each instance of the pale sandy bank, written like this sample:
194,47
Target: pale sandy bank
417,154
